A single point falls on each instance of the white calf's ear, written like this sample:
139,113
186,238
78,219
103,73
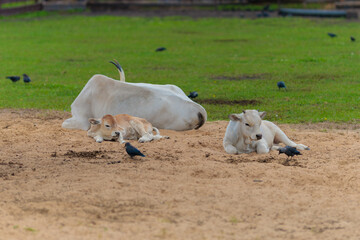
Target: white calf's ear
93,121
235,117
262,114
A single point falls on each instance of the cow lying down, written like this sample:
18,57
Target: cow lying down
247,132
164,106
122,126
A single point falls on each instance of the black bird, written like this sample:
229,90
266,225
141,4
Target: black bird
26,78
289,151
281,84
13,78
193,95
263,14
132,151
160,49
352,39
332,35
266,8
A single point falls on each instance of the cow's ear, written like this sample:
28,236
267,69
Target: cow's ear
94,121
262,114
235,117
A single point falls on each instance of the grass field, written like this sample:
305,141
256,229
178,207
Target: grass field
223,59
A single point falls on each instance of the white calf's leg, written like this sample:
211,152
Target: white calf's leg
280,136
229,148
262,147
302,147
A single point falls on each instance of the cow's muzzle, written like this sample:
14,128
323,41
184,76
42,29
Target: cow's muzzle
258,136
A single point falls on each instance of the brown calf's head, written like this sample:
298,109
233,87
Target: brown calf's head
105,127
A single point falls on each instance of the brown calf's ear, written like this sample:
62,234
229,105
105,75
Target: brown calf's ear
262,114
235,117
93,121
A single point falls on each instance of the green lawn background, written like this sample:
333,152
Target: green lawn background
228,59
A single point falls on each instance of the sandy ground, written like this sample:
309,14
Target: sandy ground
60,184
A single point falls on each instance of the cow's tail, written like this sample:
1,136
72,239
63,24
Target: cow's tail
156,131
201,121
119,68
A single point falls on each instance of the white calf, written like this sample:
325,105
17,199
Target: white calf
247,132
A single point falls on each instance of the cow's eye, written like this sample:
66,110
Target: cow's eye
106,125
247,124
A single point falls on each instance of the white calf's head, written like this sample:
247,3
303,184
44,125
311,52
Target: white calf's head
105,127
249,123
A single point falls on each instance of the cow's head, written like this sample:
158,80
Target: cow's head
105,127
249,123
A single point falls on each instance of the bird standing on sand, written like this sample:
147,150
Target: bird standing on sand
332,35
281,84
289,151
193,95
26,78
132,151
13,78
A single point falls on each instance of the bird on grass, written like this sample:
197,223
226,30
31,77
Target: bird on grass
193,95
332,35
132,151
263,14
352,39
289,151
13,78
266,8
26,78
281,84
160,49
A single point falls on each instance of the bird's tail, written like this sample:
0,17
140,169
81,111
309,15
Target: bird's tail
119,68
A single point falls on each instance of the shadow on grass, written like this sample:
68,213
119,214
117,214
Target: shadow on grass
228,102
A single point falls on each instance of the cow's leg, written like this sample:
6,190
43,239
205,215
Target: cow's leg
280,136
229,148
157,136
98,139
262,147
139,128
120,137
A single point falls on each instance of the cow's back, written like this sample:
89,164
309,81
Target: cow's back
161,106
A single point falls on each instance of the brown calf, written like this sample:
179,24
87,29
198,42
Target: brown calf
122,126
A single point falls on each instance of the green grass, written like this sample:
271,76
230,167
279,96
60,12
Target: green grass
61,53
17,4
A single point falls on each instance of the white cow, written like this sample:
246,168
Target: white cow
247,132
164,106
